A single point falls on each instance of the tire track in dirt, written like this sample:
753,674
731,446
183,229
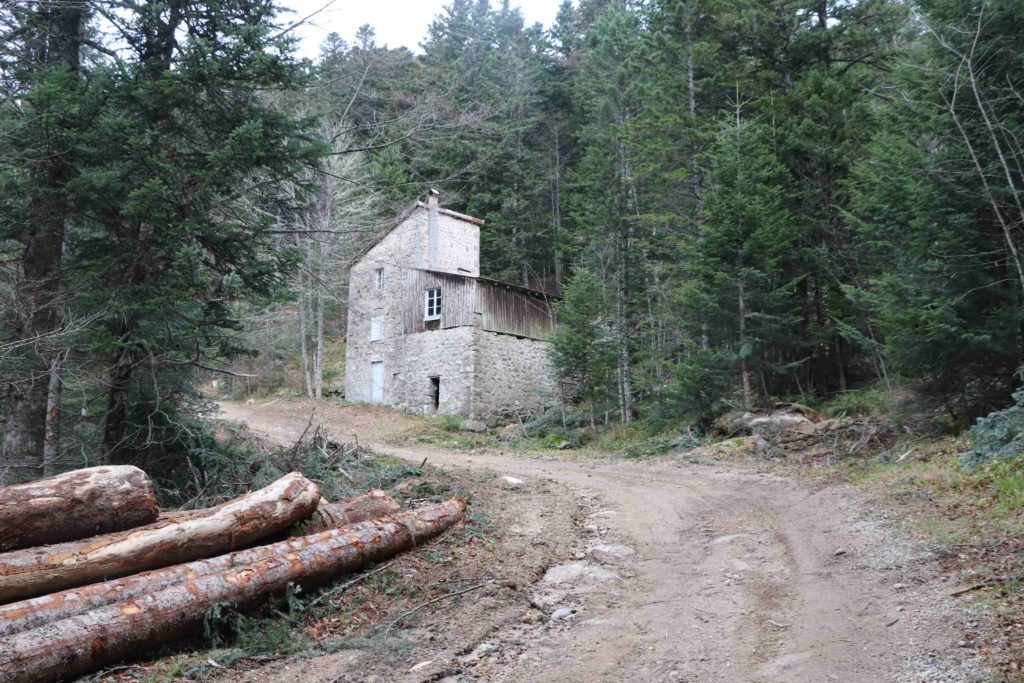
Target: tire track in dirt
736,577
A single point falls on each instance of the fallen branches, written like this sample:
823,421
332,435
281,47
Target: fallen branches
81,643
75,505
36,571
447,596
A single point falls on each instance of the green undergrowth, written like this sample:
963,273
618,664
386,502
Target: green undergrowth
871,402
231,461
571,434
999,436
445,431
228,461
933,471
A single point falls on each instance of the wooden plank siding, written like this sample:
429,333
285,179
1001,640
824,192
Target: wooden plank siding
458,299
514,310
501,308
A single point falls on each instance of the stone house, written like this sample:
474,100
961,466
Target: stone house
426,333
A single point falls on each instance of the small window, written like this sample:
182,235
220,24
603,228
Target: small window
432,304
378,278
377,328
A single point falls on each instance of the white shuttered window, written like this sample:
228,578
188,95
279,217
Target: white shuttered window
377,328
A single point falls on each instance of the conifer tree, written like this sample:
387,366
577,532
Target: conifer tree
583,348
744,256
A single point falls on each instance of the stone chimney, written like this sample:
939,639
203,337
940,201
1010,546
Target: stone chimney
433,229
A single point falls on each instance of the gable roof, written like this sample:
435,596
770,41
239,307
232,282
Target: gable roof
403,217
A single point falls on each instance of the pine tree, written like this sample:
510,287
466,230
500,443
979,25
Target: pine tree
493,68
583,348
173,168
40,119
744,257
605,206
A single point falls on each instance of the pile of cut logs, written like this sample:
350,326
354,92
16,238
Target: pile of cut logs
92,571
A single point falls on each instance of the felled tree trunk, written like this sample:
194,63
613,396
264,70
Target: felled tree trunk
107,634
374,503
36,571
26,614
75,505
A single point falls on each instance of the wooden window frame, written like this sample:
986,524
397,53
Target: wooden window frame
432,303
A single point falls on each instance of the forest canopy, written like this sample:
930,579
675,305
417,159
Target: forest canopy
739,201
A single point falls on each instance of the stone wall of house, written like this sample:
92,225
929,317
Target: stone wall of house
458,249
366,302
513,375
445,354
481,372
410,361
402,248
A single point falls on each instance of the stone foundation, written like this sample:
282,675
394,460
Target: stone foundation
513,376
480,373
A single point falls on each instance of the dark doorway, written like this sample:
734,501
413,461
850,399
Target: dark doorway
435,393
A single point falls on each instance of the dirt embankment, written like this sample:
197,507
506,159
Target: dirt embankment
676,572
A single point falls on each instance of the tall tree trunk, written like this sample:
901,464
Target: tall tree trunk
841,363
51,446
318,360
115,421
556,208
38,318
744,366
38,292
304,295
156,52
24,431
624,235
696,182
691,91
625,378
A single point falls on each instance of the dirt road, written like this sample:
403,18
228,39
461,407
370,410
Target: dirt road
712,573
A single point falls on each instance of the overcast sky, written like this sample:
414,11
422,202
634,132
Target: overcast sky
397,22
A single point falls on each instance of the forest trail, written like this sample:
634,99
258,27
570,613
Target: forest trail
733,576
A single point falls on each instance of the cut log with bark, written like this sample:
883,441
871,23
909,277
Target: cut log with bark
75,505
26,614
36,571
85,642
373,503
